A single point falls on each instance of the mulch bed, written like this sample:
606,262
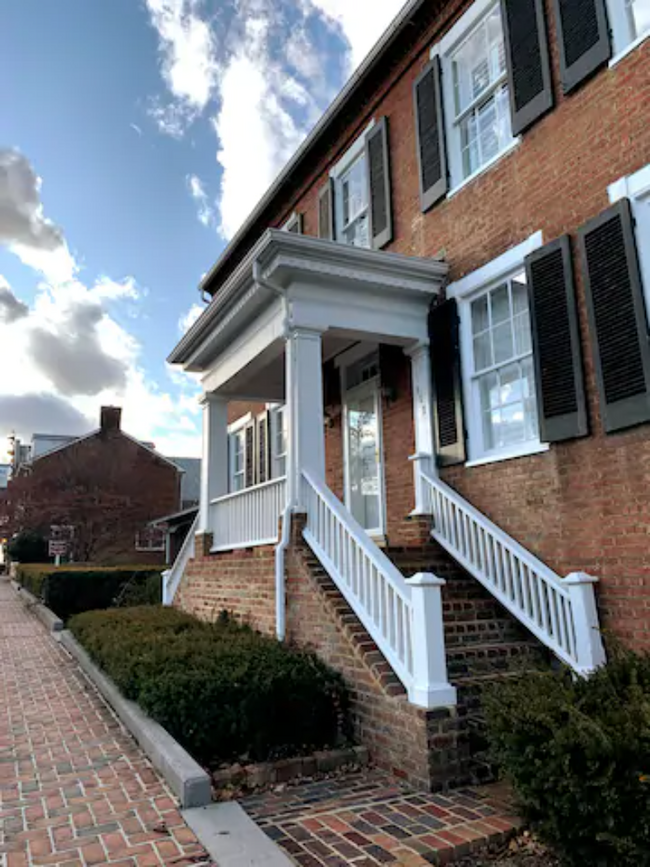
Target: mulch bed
523,851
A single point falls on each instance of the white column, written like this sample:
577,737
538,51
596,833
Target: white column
430,688
214,462
589,642
304,392
423,459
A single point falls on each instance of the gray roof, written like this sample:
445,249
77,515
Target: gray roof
191,478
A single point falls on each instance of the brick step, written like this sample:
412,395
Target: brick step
471,660
483,631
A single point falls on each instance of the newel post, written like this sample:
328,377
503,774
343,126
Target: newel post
430,688
214,459
589,642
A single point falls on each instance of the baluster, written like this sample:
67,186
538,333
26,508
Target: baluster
508,573
552,604
523,589
543,602
483,554
562,621
498,565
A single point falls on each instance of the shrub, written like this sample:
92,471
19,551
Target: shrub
28,547
70,590
578,754
222,690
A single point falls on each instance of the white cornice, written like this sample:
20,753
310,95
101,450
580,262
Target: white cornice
286,258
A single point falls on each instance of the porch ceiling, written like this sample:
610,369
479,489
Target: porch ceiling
314,283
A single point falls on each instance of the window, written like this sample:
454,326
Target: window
238,460
279,441
503,386
150,539
475,89
630,22
497,357
351,196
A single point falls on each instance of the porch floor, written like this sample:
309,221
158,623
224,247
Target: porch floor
368,819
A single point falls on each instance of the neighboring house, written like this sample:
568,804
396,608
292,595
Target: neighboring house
5,472
190,480
437,319
101,491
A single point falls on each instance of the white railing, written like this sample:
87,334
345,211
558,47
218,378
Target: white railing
404,618
248,518
562,613
171,578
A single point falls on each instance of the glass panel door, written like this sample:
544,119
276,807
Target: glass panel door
363,453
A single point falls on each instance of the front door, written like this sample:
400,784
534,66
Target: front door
364,482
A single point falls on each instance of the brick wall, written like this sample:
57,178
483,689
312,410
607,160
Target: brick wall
583,504
241,582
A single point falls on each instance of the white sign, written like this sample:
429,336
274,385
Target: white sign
57,548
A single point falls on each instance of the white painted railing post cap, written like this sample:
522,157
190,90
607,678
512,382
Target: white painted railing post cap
425,579
580,578
435,696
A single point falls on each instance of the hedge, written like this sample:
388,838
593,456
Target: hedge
69,590
578,754
222,690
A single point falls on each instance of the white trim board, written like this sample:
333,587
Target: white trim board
496,269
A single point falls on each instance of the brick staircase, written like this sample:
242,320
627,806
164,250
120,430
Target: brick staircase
484,644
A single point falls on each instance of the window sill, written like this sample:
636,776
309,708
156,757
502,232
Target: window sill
484,168
616,59
520,452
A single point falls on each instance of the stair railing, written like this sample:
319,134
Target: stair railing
562,613
171,577
403,617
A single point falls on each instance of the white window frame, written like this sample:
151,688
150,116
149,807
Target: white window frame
276,412
294,220
444,49
337,173
465,291
636,188
237,427
623,39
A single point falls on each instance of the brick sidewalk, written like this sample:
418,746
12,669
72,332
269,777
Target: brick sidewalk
74,787
369,820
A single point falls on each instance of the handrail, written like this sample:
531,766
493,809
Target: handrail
172,577
224,498
560,612
402,616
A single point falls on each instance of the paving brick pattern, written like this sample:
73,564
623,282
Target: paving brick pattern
368,819
75,789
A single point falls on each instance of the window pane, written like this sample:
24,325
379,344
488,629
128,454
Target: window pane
522,334
356,234
479,61
482,352
500,302
489,390
488,130
519,294
355,190
530,400
511,385
470,145
503,345
512,430
491,427
480,320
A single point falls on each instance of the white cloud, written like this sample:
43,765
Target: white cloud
189,318
68,353
362,22
188,60
205,211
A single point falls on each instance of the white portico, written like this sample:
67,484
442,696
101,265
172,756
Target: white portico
293,304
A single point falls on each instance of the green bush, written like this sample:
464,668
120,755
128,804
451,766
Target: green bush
28,547
222,690
69,590
578,754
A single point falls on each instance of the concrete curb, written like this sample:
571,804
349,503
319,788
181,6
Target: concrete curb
232,838
185,777
48,618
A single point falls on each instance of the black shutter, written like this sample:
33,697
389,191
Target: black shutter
379,192
430,135
295,224
527,59
556,343
583,35
326,211
392,363
444,336
263,449
617,317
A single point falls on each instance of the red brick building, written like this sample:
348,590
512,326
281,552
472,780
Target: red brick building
103,489
446,365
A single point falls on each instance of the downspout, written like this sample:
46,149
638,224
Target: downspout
285,538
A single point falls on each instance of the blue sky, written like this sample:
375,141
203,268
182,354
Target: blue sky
135,137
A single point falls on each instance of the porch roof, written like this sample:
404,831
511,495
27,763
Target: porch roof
284,258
